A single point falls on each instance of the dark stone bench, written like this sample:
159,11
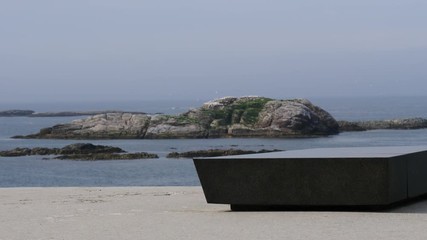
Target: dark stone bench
322,177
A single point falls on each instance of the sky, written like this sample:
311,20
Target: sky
87,50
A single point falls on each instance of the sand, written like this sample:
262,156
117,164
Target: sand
182,213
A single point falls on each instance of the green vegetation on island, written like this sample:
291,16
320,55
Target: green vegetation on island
250,116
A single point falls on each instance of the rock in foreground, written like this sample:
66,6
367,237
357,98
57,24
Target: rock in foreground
79,151
16,113
225,117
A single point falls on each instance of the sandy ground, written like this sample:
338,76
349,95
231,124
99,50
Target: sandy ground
182,213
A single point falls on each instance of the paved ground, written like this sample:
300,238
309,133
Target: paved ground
182,213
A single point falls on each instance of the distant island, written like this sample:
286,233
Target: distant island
16,113
31,113
250,116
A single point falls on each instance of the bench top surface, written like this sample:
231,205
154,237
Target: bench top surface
347,152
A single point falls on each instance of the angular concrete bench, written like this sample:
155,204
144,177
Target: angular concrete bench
322,177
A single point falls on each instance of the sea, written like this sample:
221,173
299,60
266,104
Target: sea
35,171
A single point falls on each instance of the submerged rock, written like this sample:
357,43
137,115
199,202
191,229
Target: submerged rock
215,153
225,117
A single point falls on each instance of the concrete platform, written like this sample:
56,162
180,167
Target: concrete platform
373,177
181,213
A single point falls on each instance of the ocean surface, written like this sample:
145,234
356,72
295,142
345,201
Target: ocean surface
33,171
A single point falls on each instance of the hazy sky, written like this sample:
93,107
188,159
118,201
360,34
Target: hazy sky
201,49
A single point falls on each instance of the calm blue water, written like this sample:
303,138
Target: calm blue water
34,171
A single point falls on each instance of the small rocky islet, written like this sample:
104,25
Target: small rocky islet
224,117
250,116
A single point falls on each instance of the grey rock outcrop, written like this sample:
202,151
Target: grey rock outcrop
103,126
296,117
225,117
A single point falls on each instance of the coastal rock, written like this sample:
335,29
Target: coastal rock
225,117
110,125
163,126
296,117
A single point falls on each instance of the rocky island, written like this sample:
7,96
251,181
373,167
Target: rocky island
224,117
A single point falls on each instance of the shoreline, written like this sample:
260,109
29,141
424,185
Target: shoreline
182,213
